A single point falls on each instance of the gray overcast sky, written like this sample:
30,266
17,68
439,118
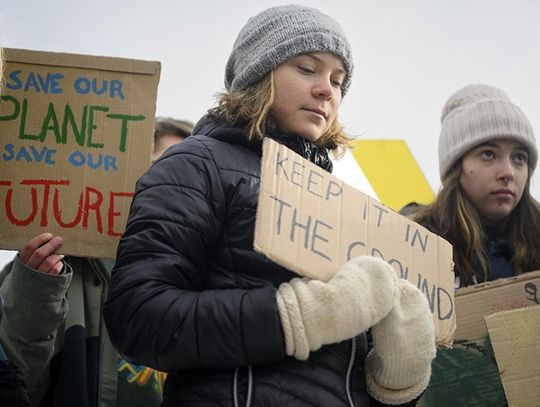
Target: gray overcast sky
410,55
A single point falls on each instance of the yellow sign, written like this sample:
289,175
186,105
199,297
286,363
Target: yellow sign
393,172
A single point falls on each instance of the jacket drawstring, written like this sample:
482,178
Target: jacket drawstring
349,371
250,380
235,387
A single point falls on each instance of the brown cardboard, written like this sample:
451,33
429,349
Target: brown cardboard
515,336
61,115
312,223
473,303
467,374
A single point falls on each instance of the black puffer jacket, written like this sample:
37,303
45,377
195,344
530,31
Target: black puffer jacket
189,296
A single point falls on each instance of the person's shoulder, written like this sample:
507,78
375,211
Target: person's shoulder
218,150
411,209
183,164
193,145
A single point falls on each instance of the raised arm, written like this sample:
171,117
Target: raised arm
33,288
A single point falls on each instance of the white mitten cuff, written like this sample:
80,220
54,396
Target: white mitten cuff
296,343
392,396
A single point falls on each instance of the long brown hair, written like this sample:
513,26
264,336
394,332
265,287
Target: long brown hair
251,108
454,217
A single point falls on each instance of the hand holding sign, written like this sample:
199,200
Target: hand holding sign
39,253
312,223
314,313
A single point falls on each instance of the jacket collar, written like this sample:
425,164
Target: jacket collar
224,131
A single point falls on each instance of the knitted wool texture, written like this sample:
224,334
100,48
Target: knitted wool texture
315,313
477,114
398,368
279,33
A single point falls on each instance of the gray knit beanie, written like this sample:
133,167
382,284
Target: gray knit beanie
477,114
279,33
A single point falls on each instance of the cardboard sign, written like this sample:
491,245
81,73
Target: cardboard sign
75,134
312,223
475,302
467,374
515,336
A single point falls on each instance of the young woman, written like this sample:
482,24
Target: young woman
191,297
487,154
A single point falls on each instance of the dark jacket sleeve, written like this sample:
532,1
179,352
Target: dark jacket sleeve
13,390
35,307
159,311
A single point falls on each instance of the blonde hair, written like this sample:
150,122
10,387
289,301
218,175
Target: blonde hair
454,217
251,108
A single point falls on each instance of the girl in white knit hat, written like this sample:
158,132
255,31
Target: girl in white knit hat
191,297
487,154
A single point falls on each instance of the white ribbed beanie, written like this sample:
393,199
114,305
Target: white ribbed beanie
279,33
476,114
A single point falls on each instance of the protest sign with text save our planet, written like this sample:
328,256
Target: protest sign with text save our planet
76,132
312,223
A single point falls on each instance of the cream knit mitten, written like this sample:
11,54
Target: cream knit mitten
398,368
314,313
